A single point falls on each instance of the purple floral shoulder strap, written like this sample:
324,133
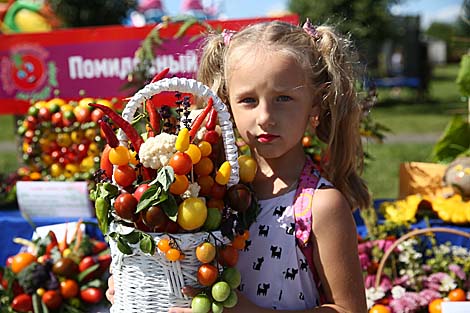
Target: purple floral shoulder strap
303,217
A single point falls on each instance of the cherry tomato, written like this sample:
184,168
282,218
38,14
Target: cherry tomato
125,175
91,295
21,260
97,115
181,163
164,245
173,254
205,147
119,155
218,191
22,303
205,252
125,206
204,167
205,182
228,256
180,184
211,137
140,191
52,299
69,288
207,274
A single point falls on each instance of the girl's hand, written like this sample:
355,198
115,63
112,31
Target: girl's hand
110,290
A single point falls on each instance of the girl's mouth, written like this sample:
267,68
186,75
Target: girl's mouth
266,138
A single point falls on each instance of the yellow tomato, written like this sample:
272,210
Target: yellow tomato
192,213
248,168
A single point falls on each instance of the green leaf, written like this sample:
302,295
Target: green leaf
165,177
150,196
183,28
147,244
123,246
454,141
170,207
132,237
89,270
463,77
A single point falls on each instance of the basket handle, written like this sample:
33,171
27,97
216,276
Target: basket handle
413,233
194,87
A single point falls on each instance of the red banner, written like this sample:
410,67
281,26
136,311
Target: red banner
93,62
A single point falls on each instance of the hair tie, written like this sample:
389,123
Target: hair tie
310,29
227,35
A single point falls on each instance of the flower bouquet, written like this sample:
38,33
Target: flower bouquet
176,204
405,272
52,275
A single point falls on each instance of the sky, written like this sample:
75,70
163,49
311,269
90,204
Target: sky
429,10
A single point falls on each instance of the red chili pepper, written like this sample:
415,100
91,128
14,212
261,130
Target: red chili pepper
160,75
212,119
199,119
53,242
154,118
126,127
109,134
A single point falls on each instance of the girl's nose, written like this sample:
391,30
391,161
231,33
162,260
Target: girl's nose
264,114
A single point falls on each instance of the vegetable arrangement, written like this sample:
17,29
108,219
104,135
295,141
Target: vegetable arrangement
55,275
173,179
61,140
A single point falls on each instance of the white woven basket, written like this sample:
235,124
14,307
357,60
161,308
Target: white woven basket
145,283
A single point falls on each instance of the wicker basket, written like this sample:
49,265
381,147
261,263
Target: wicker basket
416,232
146,283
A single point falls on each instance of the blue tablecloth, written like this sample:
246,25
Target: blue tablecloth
12,224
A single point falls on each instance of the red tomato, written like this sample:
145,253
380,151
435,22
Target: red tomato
97,115
140,191
69,288
22,303
207,274
125,206
56,119
125,175
211,137
82,114
91,295
85,263
228,256
181,163
44,114
52,299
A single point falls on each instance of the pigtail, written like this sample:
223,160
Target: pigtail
340,118
211,65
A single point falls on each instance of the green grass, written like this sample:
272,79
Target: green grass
7,128
382,171
408,114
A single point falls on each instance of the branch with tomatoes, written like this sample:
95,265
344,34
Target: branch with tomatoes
55,274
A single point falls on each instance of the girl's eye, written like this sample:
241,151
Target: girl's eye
248,100
283,98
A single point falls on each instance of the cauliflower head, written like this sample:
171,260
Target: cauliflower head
156,151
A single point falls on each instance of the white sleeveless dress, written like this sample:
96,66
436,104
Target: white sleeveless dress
275,273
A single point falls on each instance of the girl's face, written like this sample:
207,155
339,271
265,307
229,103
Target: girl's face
271,101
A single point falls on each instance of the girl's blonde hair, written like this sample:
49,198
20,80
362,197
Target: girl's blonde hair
329,64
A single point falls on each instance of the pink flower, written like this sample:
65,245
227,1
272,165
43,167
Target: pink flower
365,260
408,303
385,282
427,295
457,270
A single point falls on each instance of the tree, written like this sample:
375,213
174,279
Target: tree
77,13
369,22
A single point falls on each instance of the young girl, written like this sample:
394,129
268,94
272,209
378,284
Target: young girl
277,79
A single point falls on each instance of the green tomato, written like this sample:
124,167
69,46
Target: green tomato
221,291
231,301
213,219
232,276
201,304
217,307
